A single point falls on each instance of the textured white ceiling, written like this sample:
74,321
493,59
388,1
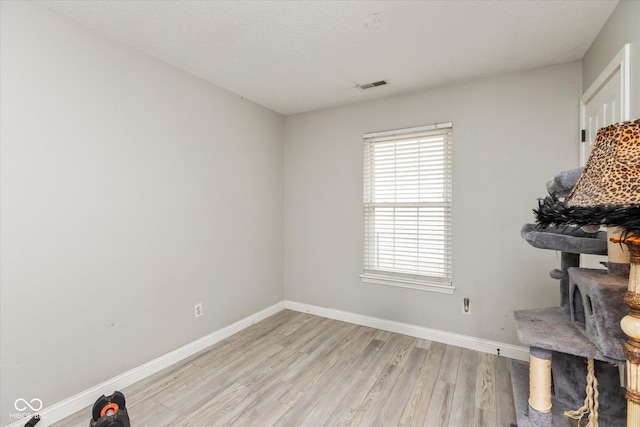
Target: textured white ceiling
296,56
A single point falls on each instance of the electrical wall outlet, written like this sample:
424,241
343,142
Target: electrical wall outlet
466,306
198,309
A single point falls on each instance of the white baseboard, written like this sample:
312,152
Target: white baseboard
73,404
473,343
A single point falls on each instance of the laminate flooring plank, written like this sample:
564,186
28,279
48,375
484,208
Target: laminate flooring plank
147,385
188,401
207,411
321,374
156,416
305,332
190,389
228,408
505,409
330,402
265,409
394,346
158,383
367,412
392,353
294,323
341,417
250,376
304,400
317,350
395,402
486,418
440,405
199,388
422,343
236,407
270,416
190,386
415,410
405,348
383,335
465,390
449,368
219,354
246,338
486,383
327,334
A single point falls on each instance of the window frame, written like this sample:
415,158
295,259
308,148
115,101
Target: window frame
388,276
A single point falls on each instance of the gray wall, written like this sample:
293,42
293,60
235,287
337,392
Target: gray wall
623,26
131,190
511,134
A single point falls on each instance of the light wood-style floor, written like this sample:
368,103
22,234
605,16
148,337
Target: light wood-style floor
295,369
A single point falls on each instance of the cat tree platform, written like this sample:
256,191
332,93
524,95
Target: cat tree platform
568,239
551,330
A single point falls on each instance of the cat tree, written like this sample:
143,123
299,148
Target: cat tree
590,327
563,339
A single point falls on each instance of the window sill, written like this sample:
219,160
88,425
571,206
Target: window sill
408,283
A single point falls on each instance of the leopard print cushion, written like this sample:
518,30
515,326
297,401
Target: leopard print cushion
612,174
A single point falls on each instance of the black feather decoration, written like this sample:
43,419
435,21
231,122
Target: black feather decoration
552,211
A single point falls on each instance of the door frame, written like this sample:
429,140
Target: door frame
619,62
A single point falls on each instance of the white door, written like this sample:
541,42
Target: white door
605,102
602,110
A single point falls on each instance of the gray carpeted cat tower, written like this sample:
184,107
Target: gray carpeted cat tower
562,339
576,373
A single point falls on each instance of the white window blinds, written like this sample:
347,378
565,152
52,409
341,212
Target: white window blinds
407,206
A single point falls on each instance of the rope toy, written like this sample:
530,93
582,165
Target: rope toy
591,401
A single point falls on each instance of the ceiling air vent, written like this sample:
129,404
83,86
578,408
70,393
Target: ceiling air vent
374,84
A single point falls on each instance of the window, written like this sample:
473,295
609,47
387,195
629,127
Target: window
407,208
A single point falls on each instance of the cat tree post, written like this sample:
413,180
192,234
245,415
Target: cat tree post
540,387
631,327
